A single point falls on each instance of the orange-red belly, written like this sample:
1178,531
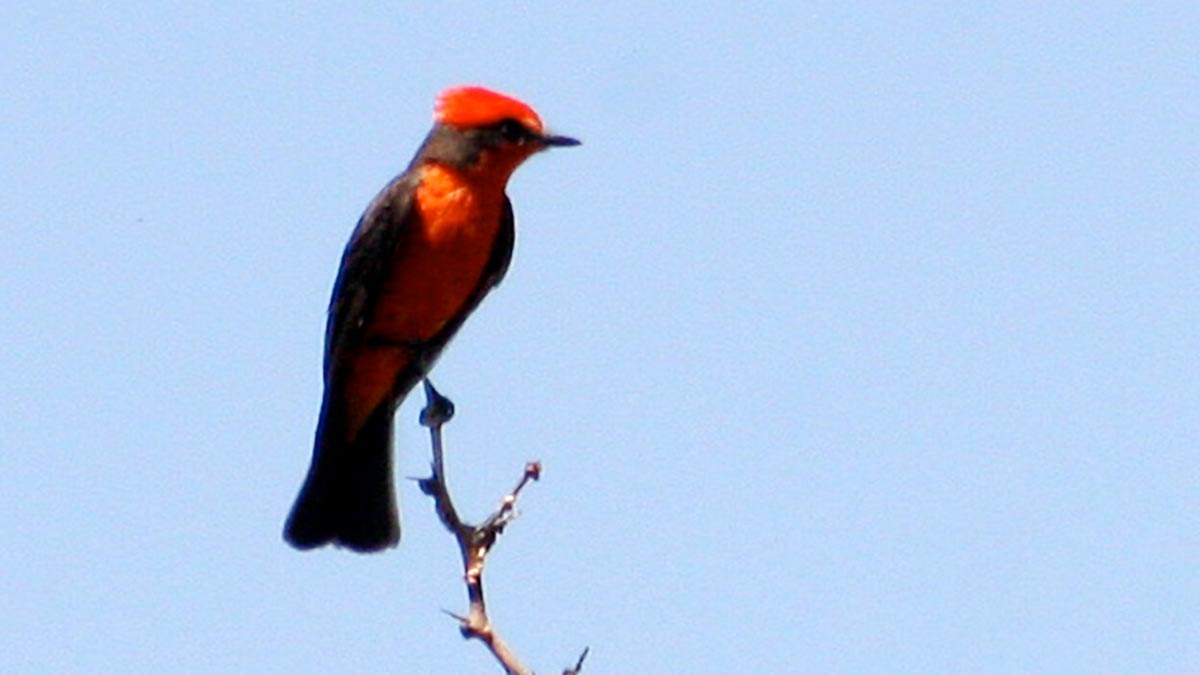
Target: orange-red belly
455,224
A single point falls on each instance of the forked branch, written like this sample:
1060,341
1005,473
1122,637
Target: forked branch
474,541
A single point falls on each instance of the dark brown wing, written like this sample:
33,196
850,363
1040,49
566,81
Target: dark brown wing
383,229
348,496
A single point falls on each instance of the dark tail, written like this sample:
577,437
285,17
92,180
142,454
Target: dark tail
348,498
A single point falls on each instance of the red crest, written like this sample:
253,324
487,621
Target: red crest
468,107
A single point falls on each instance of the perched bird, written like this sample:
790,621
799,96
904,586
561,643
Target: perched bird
427,250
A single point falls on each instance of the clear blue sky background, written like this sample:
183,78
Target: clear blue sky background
857,338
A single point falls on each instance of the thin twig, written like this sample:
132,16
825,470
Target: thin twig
578,664
474,542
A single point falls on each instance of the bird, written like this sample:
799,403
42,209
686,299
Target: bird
428,248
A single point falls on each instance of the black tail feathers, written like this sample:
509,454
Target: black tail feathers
349,498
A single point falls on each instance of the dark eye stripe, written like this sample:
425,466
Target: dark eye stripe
512,130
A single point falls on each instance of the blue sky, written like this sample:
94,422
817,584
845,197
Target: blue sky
856,338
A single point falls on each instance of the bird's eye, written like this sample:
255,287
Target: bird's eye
512,130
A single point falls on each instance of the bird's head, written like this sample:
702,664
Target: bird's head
477,128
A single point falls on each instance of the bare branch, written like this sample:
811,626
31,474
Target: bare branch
474,542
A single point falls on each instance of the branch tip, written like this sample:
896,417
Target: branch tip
438,409
533,470
578,664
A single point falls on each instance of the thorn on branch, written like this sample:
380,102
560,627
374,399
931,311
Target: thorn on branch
578,664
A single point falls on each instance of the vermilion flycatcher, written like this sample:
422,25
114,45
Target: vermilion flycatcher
428,248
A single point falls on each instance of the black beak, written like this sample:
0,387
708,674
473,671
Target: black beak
558,141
